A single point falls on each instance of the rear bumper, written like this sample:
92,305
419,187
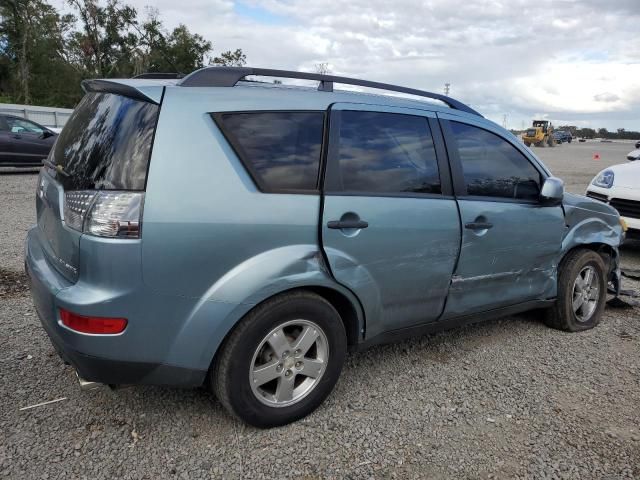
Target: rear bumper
50,292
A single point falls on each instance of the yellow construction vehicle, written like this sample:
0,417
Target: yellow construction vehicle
540,134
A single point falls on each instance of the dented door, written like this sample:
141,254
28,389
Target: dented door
509,263
510,240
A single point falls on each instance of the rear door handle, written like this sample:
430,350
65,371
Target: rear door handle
340,224
478,225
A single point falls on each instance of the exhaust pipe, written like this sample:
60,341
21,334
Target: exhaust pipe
86,385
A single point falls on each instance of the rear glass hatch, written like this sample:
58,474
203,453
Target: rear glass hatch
95,176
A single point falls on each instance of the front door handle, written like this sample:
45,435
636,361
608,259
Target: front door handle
340,224
478,225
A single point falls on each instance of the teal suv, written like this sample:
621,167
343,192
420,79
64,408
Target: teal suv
226,231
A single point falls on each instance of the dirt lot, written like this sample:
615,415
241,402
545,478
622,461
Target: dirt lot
504,399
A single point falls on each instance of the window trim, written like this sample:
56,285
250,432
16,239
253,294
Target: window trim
459,185
330,185
251,171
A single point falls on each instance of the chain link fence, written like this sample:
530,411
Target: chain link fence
48,116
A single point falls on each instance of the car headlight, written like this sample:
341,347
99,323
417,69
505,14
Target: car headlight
604,179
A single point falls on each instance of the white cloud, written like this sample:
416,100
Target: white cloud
571,60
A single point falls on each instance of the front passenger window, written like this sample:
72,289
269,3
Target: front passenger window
492,167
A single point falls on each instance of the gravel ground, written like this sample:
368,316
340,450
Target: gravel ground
508,398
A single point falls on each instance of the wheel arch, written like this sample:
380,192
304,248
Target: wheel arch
347,306
608,253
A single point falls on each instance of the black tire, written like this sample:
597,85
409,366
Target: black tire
231,372
562,315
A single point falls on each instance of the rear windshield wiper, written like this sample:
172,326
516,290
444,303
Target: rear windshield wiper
57,168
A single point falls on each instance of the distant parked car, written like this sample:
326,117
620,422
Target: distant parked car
558,137
619,186
634,154
638,144
23,143
562,136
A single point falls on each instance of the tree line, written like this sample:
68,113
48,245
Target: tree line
619,134
45,53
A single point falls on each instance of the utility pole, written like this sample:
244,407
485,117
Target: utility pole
446,89
504,121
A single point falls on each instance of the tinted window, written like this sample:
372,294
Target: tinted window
280,149
493,167
106,143
386,153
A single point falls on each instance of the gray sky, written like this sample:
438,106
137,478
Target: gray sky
571,61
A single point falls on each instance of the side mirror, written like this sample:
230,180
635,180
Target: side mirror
552,192
47,134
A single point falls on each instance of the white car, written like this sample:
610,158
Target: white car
619,186
634,155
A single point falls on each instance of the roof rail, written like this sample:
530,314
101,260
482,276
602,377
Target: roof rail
159,76
230,76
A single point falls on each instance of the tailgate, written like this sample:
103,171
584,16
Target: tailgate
60,243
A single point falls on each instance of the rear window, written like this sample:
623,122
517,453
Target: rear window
106,143
281,150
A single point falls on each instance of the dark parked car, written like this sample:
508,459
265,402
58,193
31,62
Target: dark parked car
23,143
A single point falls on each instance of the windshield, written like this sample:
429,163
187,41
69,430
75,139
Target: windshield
106,143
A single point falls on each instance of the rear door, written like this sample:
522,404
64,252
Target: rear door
390,226
509,239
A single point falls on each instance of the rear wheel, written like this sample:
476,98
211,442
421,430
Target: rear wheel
281,361
582,291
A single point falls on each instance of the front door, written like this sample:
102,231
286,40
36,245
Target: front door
510,241
390,226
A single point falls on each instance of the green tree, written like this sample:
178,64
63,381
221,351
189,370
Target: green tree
44,55
106,40
32,47
177,51
231,59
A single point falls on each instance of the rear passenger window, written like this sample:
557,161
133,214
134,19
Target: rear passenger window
492,167
281,150
386,153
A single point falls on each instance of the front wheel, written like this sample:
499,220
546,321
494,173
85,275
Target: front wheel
281,361
582,291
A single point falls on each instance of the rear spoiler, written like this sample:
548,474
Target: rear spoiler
146,90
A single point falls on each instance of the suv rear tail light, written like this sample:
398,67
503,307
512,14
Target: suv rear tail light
95,325
104,213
